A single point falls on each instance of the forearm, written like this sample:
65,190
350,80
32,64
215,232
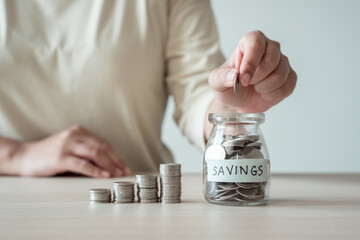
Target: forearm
215,106
8,149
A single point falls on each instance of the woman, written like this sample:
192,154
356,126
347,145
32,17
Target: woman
84,84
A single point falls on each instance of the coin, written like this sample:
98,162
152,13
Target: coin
238,147
100,195
252,153
123,192
170,183
148,200
236,84
146,181
215,152
147,188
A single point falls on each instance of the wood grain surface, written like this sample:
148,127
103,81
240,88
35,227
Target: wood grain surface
302,206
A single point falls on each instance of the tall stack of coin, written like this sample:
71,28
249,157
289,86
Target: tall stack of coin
170,181
147,188
100,195
123,192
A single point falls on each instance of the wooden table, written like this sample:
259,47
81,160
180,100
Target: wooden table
301,207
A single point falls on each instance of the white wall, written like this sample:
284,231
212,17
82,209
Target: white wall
317,128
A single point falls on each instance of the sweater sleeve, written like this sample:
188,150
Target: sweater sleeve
192,52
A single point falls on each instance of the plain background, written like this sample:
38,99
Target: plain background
317,128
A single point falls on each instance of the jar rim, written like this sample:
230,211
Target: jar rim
247,118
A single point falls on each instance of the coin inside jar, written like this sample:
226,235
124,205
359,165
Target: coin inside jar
215,152
236,161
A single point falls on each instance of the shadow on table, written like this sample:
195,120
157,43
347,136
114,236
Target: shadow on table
313,202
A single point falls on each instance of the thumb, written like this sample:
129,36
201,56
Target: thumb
222,78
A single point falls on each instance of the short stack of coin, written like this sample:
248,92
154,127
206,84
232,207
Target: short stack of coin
170,181
123,192
100,195
147,188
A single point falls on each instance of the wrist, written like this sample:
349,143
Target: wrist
9,157
215,106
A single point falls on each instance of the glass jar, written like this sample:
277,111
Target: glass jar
236,160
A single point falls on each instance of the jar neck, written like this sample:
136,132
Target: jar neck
222,131
238,128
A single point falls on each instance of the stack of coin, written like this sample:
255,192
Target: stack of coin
100,195
147,188
123,192
170,181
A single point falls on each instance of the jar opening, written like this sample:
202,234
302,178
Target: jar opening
246,118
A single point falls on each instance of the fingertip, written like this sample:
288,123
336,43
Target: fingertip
222,78
105,174
127,171
245,79
118,172
230,77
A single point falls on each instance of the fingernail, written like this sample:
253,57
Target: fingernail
245,79
230,77
118,172
105,174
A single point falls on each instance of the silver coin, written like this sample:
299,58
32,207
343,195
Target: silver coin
100,190
170,183
171,186
226,197
148,200
170,169
124,184
237,156
234,143
254,144
252,153
100,195
170,179
250,196
170,173
171,201
146,179
123,192
215,152
124,201
147,188
233,151
148,194
253,137
147,185
171,195
246,185
228,188
148,197
170,166
237,84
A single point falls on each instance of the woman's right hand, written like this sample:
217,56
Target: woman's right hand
73,150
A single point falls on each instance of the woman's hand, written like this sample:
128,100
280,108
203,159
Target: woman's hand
265,74
74,150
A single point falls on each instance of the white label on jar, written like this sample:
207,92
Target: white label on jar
238,170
